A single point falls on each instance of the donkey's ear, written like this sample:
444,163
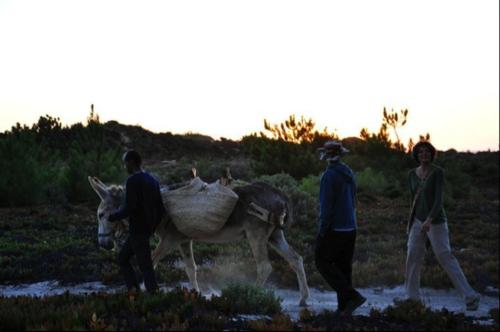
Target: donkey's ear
228,174
100,188
97,180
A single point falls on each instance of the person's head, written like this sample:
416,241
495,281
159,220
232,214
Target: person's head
424,152
332,151
132,160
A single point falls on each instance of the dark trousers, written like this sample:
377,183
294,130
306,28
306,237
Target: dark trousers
333,255
138,245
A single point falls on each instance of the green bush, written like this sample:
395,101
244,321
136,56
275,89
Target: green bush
48,163
310,185
21,180
356,162
247,299
371,181
272,156
422,317
79,165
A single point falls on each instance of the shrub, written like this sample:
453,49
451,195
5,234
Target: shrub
282,181
371,181
247,299
310,185
50,164
79,165
422,317
21,181
277,156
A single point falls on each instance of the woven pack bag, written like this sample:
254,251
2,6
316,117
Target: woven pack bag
200,209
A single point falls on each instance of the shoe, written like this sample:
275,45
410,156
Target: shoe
352,304
472,304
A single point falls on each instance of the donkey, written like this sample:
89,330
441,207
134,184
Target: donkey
248,219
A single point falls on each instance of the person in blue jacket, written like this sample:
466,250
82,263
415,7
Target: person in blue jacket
337,229
144,207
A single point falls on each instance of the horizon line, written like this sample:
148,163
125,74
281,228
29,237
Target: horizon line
187,133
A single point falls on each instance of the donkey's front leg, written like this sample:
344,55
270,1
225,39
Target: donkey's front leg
279,243
163,248
186,249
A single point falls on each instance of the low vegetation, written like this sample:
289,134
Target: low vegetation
183,310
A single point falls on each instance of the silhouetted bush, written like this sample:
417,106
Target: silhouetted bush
23,177
247,299
310,185
272,156
371,181
49,163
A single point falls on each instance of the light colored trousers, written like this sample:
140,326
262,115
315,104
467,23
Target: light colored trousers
440,242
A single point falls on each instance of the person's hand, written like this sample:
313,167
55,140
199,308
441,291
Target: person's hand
426,226
112,217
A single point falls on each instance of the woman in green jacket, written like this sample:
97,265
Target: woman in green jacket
428,220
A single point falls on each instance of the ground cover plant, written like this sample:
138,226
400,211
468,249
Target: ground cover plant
183,309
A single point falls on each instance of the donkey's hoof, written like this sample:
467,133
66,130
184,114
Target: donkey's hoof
303,303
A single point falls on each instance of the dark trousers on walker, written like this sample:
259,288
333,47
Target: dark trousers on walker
138,245
333,255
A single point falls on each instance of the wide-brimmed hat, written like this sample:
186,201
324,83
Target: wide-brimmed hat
332,149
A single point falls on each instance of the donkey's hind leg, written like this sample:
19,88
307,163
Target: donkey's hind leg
278,242
186,249
259,250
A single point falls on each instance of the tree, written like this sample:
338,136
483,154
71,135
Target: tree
97,132
296,131
290,147
394,121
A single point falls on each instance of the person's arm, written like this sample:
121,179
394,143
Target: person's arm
438,200
327,200
438,195
409,185
129,205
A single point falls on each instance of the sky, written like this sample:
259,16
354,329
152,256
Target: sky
220,68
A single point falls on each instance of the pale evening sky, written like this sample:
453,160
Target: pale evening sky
220,67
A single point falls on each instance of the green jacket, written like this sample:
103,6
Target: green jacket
430,201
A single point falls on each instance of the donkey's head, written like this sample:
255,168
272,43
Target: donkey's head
111,198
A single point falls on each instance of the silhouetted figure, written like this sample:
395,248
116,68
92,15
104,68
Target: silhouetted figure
428,221
337,231
144,207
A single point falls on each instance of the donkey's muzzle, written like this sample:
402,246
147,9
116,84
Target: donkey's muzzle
106,242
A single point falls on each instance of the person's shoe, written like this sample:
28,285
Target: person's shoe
133,292
472,304
352,304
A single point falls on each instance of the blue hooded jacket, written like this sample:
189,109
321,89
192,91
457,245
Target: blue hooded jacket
337,199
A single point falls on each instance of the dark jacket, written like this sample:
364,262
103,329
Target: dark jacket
337,198
143,204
